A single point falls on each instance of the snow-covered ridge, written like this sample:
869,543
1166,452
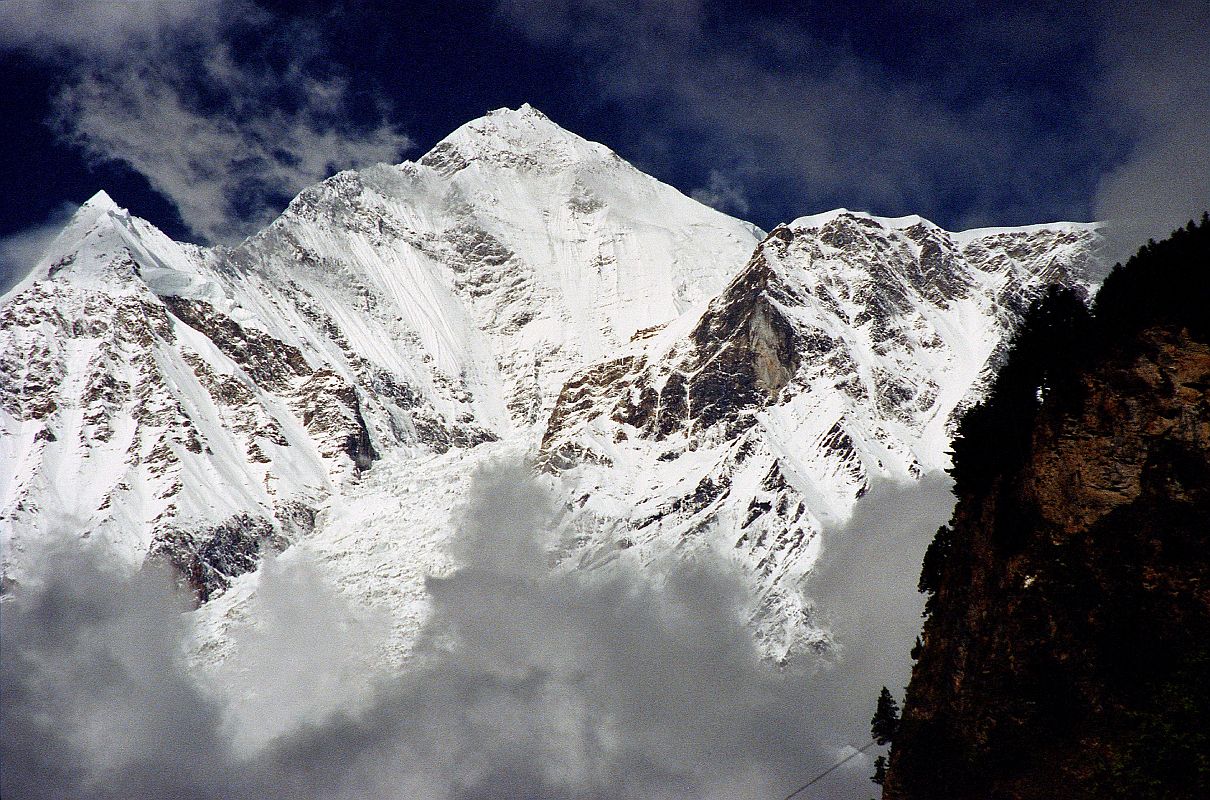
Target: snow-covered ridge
330,383
410,309
816,221
840,354
964,237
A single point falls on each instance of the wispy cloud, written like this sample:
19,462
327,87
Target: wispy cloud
20,251
1158,67
226,109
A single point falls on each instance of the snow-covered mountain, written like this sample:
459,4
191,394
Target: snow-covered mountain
838,355
331,383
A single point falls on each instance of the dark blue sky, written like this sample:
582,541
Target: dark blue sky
206,117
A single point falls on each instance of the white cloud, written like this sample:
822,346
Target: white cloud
21,250
1158,63
227,132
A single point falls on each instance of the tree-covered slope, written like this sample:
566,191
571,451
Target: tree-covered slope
1066,649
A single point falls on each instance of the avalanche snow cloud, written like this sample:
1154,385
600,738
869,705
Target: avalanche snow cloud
529,681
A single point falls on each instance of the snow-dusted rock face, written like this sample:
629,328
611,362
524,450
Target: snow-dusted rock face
838,354
209,401
331,383
158,425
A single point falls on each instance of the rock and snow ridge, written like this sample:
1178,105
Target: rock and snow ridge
330,383
840,354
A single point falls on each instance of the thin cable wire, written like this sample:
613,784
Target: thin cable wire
829,770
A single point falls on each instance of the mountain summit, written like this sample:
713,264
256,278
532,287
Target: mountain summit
524,139
331,383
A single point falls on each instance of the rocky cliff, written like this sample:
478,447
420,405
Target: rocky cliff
1066,650
836,357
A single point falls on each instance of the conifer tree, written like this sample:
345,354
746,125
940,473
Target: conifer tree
879,770
886,718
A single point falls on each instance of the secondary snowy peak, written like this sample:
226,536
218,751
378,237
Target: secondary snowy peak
816,221
152,425
839,354
100,247
1032,253
877,298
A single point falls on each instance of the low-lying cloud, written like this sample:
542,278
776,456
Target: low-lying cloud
865,587
529,680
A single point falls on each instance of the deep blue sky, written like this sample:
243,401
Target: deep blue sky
207,120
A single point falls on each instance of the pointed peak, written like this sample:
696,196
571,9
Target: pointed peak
101,201
85,239
95,210
522,138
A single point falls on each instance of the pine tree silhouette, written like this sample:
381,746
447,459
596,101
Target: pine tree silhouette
886,718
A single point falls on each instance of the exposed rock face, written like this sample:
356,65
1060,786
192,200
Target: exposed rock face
738,356
1067,652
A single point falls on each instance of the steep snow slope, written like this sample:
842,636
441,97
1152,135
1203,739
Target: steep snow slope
837,356
123,423
428,306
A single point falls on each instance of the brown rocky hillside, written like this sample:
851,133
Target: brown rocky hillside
1067,647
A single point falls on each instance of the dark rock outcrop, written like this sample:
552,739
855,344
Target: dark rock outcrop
738,357
1067,647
